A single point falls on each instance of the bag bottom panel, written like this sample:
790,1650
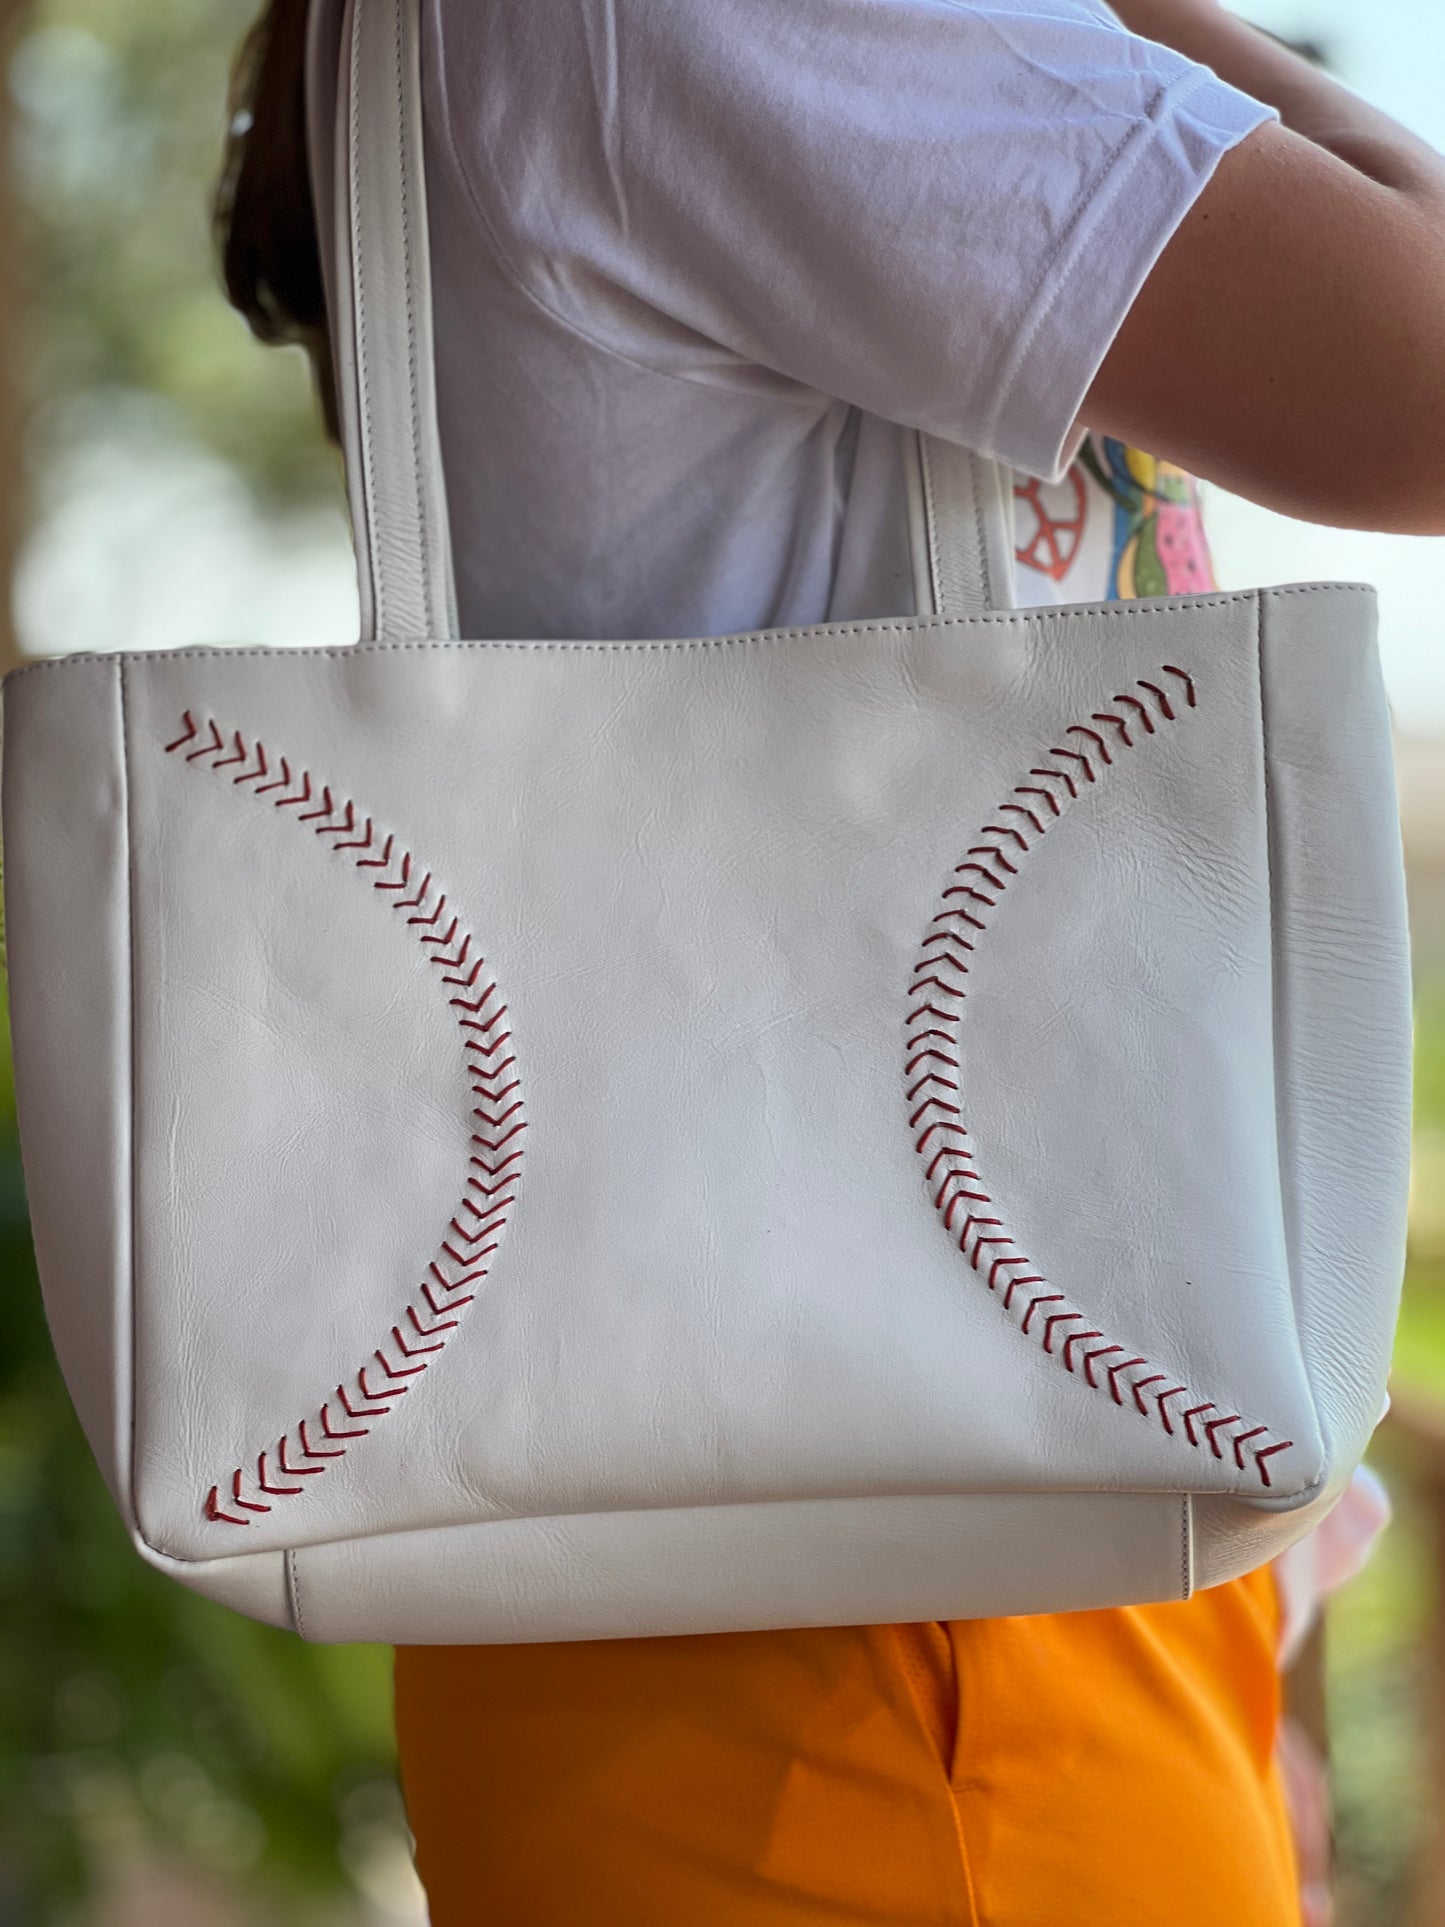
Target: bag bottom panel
744,1568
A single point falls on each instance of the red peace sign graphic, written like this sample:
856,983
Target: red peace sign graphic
1056,537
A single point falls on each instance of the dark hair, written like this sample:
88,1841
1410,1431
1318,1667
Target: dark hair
263,216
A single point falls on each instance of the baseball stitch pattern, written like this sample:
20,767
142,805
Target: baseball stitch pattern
427,1320
938,993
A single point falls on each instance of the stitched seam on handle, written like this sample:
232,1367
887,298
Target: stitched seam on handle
1136,606
359,325
930,515
1080,759
981,526
131,1159
426,1321
411,336
1186,1573
978,526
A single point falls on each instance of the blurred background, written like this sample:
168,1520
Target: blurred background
163,481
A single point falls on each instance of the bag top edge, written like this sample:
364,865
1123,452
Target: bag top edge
1136,607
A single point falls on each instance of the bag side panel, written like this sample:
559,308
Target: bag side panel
66,915
1342,999
1234,1536
253,1583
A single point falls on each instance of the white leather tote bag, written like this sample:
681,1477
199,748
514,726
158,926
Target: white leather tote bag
550,1140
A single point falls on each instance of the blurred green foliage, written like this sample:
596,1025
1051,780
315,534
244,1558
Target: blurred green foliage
1430,1055
1378,1624
1375,1687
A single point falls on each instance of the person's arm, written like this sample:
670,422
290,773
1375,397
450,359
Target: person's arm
1309,102
1289,342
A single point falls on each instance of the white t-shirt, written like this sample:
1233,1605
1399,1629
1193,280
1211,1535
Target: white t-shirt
695,260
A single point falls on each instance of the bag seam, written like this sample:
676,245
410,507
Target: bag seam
904,625
1279,1017
357,1538
405,157
359,330
131,1160
1186,1563
293,1589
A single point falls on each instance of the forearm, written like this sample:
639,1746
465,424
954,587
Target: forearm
1310,103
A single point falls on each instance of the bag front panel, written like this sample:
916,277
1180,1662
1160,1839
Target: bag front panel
720,1268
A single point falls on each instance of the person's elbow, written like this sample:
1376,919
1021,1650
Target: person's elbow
1289,344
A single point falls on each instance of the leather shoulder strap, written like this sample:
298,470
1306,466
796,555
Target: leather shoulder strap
383,329
961,530
380,291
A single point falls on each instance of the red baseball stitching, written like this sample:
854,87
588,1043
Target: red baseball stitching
933,1078
426,1322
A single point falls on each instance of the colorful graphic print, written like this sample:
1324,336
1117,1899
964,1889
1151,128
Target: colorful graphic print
1058,523
1156,544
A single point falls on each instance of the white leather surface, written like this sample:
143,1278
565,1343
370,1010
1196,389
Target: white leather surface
68,970
254,1583
1231,1539
1342,1001
699,874
744,1568
961,530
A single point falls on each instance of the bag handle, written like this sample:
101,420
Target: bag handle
961,530
385,373
960,511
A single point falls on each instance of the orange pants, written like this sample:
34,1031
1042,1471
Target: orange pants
1104,1769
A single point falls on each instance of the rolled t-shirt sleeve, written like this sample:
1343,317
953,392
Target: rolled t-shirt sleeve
1125,214
938,210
